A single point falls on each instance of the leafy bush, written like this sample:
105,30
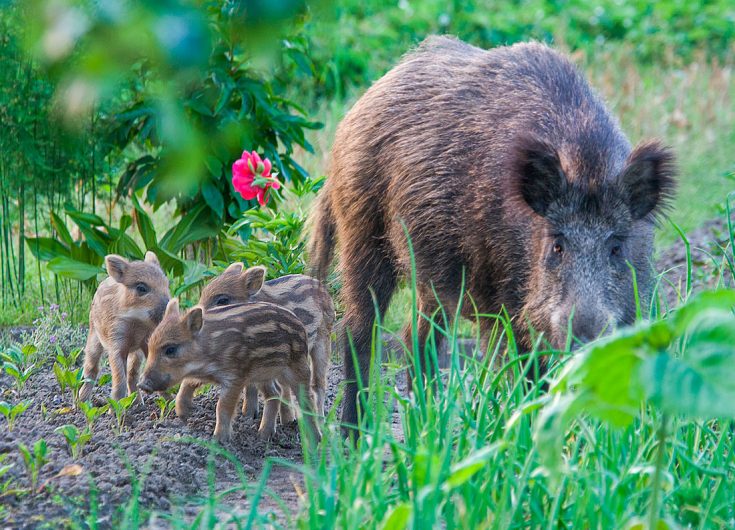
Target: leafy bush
272,238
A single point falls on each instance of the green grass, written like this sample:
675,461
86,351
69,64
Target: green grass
466,454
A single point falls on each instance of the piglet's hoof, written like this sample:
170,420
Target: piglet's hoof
266,434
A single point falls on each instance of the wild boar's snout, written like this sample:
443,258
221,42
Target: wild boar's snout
154,381
159,309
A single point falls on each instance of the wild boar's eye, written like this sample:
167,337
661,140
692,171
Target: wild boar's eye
616,250
170,351
141,288
222,300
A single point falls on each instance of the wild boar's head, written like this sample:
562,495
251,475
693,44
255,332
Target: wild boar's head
592,237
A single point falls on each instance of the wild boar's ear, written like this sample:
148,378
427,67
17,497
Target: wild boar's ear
539,178
235,267
194,320
253,279
649,179
172,308
116,267
151,258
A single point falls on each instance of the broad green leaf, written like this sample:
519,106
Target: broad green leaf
62,230
708,300
194,226
398,517
145,225
46,248
73,269
213,198
699,383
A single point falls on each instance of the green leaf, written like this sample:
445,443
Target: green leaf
62,230
192,227
145,225
213,198
70,268
701,382
398,517
46,248
464,470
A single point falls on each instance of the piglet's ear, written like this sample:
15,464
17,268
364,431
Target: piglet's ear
649,179
194,320
172,308
116,267
253,279
539,178
151,258
234,268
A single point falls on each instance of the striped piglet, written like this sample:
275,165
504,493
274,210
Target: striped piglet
306,297
232,346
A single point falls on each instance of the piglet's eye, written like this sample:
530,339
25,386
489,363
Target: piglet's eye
170,351
558,248
222,300
141,288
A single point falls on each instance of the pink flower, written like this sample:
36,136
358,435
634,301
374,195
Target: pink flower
251,177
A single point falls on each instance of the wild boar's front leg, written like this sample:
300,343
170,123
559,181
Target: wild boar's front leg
93,351
185,397
133,368
118,356
228,399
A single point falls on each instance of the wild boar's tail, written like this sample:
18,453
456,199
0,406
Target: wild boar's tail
321,242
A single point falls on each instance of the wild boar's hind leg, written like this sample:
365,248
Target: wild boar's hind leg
298,380
271,395
366,271
319,367
92,355
285,407
250,403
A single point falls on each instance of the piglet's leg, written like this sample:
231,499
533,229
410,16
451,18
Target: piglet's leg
118,367
228,399
134,362
92,354
250,405
270,410
288,414
185,398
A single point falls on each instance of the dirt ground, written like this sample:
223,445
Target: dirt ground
171,461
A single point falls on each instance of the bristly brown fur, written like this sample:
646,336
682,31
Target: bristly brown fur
306,297
511,177
121,319
231,346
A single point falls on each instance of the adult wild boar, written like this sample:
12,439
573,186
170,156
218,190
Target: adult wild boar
506,168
